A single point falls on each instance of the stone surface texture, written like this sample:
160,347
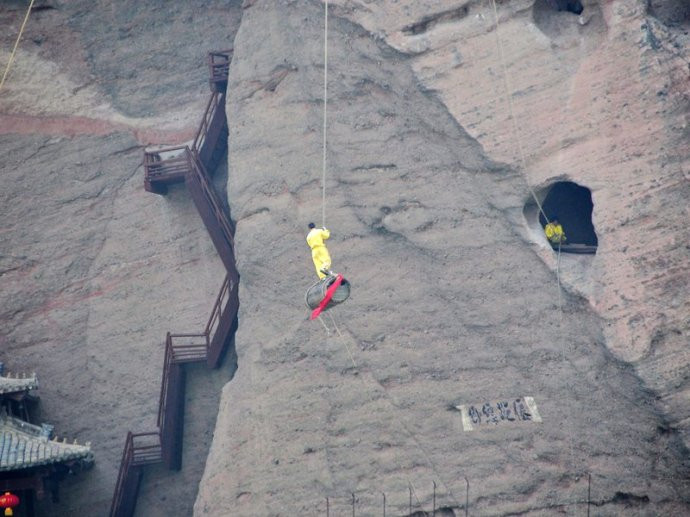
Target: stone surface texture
603,100
441,125
94,270
455,294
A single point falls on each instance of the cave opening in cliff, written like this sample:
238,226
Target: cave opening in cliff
671,12
572,205
570,6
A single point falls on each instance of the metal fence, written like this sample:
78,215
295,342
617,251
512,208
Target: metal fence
586,495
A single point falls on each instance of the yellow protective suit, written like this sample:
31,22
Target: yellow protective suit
554,232
319,252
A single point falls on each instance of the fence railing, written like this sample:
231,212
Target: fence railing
198,172
581,493
163,167
212,114
218,68
177,353
140,449
217,310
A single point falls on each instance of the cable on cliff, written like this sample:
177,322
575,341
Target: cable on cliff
16,44
325,114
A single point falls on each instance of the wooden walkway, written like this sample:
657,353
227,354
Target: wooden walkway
193,166
171,165
140,449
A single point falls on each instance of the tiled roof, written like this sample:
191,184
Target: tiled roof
16,384
24,445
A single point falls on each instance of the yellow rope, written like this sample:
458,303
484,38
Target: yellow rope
16,44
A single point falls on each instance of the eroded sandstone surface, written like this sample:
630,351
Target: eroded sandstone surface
602,100
94,270
455,298
455,295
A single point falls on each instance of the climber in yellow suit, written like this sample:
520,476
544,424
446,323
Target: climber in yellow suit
554,232
319,252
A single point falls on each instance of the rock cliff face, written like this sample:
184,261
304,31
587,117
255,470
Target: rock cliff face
94,270
455,299
602,100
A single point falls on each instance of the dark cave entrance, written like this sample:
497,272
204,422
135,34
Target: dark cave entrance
571,6
572,205
673,13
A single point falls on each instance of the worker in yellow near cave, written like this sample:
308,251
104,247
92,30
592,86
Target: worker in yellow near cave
554,232
319,252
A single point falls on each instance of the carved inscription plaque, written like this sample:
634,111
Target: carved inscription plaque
500,412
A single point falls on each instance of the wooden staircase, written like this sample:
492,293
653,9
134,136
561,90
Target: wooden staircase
218,66
140,449
170,165
193,166
210,209
211,140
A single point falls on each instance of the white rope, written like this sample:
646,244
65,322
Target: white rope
325,113
16,44
511,111
328,332
387,396
558,278
337,330
523,163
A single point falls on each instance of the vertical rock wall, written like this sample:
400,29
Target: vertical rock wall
454,301
94,270
600,99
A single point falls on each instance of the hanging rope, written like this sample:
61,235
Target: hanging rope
388,398
325,113
511,112
516,137
558,277
16,44
523,164
337,330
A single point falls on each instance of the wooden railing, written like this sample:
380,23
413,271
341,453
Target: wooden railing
140,449
222,324
170,165
163,167
218,67
221,301
211,124
178,354
211,203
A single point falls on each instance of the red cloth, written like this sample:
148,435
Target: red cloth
326,299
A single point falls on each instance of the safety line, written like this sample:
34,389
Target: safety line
16,44
337,330
402,424
511,111
558,277
523,163
409,481
325,114
328,332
